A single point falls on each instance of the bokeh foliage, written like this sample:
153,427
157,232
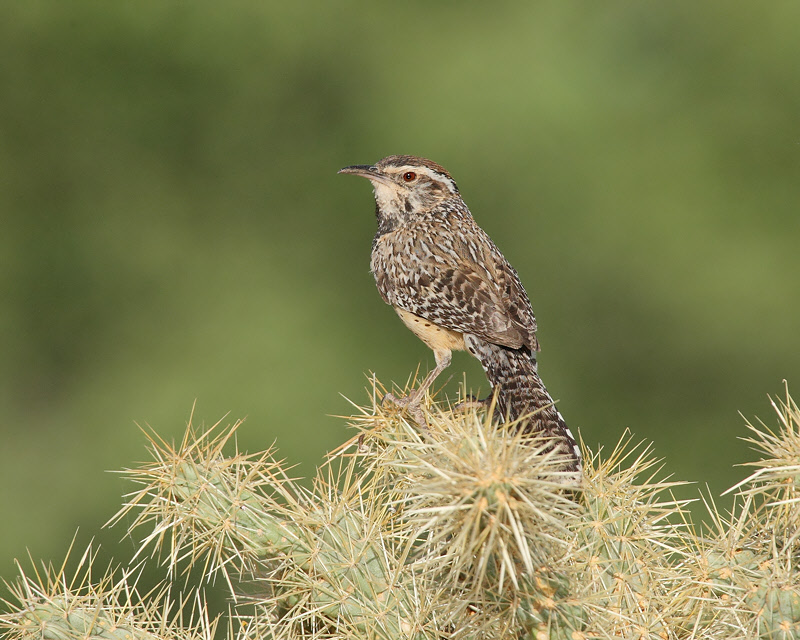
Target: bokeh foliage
173,228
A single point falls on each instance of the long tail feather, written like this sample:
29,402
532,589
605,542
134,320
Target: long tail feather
521,392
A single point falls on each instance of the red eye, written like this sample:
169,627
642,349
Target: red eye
409,176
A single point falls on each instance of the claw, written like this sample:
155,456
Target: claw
391,399
410,404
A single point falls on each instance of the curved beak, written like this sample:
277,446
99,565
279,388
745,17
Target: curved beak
370,172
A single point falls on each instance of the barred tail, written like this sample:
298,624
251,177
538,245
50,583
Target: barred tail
522,392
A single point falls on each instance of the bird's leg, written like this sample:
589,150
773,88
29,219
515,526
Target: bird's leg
413,401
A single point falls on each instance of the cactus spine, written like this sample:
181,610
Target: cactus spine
461,531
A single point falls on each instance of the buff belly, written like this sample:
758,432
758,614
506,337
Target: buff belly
436,337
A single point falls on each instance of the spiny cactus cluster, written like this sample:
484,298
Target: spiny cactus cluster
461,530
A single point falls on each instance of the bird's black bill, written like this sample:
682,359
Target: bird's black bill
370,172
365,170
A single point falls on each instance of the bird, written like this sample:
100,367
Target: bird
454,289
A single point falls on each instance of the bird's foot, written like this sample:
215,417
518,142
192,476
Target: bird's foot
410,403
391,399
471,402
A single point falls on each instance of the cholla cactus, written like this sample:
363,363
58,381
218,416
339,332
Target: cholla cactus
750,563
55,605
463,530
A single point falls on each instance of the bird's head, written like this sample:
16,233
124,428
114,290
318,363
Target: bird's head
406,186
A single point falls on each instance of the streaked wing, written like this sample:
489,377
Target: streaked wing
453,291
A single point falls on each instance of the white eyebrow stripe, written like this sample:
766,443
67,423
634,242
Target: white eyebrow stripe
434,175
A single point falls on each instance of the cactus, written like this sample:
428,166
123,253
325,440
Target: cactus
461,530
56,606
750,563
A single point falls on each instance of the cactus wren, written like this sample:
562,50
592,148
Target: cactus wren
453,288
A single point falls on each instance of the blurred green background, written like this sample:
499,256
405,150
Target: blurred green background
173,228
